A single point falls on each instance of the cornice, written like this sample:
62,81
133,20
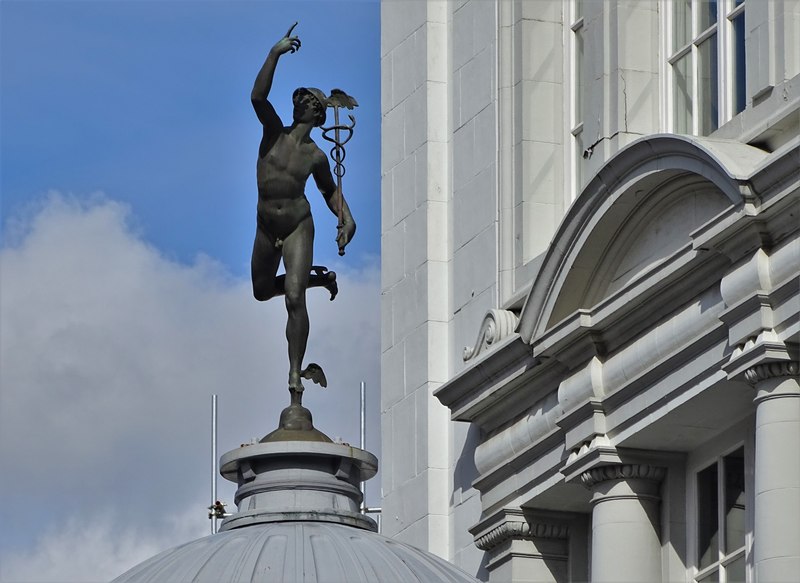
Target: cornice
779,172
488,391
762,224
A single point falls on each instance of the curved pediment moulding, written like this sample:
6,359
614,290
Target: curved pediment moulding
649,176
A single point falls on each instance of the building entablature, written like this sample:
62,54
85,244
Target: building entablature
624,327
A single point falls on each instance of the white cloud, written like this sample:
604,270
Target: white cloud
96,550
109,353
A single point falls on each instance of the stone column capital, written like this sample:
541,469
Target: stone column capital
515,525
520,531
594,476
770,370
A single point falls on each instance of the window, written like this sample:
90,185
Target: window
577,94
720,548
707,59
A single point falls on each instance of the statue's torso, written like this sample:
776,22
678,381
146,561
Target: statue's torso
283,170
282,173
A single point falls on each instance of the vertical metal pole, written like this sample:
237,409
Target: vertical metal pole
363,437
213,460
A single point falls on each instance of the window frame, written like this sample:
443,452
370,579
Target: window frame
726,55
695,574
577,99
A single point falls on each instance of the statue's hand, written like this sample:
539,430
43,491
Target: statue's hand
288,43
344,234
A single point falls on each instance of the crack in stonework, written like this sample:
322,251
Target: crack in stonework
624,100
587,153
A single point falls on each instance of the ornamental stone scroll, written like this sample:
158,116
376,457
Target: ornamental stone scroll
497,324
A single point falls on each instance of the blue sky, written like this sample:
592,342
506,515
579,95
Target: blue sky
148,102
127,174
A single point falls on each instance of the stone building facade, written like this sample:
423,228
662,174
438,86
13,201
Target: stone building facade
590,304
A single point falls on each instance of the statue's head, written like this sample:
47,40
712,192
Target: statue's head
317,100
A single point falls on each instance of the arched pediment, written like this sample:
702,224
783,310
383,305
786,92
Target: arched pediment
637,211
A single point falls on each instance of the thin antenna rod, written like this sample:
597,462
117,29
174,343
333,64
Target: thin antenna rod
363,444
213,460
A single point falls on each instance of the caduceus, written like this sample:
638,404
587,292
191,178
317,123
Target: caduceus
337,100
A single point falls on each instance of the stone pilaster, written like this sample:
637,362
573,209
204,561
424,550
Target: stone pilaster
523,548
626,545
777,471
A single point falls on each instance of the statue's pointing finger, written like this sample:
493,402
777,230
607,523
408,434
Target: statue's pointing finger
294,41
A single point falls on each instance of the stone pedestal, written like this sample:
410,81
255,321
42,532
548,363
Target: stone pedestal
298,481
777,471
626,544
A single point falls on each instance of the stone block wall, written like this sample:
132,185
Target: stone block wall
477,159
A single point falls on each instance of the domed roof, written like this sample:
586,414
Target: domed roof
298,519
295,551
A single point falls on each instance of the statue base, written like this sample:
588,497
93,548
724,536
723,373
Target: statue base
296,425
298,481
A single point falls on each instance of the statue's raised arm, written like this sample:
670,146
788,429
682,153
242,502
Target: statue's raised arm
263,84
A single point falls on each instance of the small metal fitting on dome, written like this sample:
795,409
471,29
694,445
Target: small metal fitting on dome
217,510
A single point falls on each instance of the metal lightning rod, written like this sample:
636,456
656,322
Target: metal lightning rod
213,461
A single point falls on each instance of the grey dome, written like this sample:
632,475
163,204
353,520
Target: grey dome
298,519
295,551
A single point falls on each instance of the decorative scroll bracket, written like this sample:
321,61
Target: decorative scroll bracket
497,324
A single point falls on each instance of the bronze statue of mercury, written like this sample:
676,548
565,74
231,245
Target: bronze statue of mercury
287,156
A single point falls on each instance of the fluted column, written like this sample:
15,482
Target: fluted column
626,545
777,471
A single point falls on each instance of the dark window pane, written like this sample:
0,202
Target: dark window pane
708,98
578,113
681,24
707,521
710,578
739,76
579,161
734,572
734,501
682,96
708,14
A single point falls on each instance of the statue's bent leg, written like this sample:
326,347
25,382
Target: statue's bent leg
321,277
297,256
